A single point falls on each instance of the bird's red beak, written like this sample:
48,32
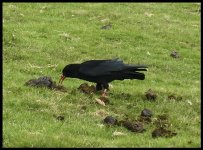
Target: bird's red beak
61,79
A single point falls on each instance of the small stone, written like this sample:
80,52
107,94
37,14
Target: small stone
146,113
110,120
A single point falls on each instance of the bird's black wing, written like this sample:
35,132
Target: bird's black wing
103,67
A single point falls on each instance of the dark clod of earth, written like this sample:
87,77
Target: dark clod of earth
151,95
110,120
161,132
108,26
60,117
175,54
134,126
174,97
85,88
45,81
146,113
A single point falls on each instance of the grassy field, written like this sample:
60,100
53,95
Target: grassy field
39,39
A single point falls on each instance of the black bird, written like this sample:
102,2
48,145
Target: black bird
103,72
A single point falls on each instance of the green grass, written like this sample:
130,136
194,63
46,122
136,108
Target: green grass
36,35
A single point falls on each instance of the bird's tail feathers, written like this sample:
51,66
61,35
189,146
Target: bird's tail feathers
137,68
134,75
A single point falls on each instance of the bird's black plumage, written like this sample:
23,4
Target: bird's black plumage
103,72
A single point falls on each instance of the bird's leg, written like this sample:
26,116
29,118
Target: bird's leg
105,88
98,87
104,93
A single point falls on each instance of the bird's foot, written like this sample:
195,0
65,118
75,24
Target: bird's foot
104,93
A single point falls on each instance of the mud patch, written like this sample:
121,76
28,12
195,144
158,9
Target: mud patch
47,82
133,126
150,95
161,132
85,88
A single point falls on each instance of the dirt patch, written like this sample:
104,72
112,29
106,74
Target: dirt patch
59,117
47,82
161,132
146,113
175,54
134,126
150,95
85,88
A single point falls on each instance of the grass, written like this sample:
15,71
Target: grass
41,38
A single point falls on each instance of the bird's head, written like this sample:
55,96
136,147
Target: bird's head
69,71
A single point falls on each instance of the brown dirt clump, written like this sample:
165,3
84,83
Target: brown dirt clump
161,132
151,95
85,88
47,82
133,126
175,54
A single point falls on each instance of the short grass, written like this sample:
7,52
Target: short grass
41,38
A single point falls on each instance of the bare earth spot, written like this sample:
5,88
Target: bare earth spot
161,132
151,95
134,126
175,54
85,88
106,27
